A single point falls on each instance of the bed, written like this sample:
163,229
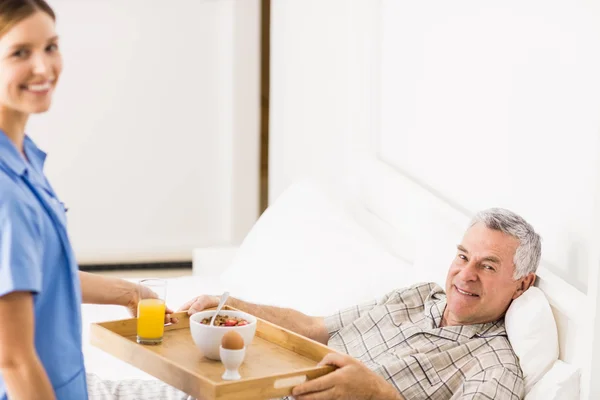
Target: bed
430,111
310,249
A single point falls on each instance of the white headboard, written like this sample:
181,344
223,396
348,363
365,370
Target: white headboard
444,108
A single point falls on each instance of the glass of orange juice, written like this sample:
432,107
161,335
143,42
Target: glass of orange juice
151,311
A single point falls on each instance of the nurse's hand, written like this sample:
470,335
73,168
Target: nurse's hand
132,304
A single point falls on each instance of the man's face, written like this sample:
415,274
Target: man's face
480,284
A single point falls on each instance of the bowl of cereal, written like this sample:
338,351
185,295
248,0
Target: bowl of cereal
208,338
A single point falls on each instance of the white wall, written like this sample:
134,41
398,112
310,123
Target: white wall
498,106
153,135
487,105
321,84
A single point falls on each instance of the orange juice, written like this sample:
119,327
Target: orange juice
151,318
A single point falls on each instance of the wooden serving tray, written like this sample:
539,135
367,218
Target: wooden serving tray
276,360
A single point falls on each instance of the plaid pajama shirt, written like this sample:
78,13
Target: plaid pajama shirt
400,339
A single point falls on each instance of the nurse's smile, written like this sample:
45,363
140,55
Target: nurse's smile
40,88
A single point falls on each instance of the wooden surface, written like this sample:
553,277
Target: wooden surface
275,355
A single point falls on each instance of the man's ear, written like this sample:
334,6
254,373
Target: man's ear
524,284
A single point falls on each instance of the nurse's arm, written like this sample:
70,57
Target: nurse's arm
97,289
20,367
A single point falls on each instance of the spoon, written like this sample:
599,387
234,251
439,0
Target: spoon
224,297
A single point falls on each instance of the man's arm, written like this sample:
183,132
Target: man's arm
20,366
311,327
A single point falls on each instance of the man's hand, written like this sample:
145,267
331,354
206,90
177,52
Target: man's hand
200,303
146,293
352,381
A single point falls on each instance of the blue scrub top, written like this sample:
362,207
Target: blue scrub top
36,256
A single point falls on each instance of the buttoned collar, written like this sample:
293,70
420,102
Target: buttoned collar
12,158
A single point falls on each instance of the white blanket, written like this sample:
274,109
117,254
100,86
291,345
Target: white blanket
134,389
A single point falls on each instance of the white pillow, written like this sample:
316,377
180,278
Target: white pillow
560,383
532,331
306,252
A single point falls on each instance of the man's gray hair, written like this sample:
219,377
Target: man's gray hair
529,252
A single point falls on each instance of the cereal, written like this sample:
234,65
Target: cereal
226,320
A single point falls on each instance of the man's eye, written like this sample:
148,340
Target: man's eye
52,48
462,257
489,267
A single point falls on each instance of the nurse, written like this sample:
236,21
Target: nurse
41,288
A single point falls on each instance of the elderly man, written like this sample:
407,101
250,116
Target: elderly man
422,342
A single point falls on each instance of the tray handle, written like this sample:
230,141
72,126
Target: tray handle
289,381
302,376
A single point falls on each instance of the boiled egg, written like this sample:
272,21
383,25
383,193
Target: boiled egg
232,341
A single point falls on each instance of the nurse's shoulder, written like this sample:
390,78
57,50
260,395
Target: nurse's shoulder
16,208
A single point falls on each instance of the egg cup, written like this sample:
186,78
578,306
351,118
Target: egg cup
232,359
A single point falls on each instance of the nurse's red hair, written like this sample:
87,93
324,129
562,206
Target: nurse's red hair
14,11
